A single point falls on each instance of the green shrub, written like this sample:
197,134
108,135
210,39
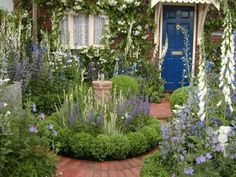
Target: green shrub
23,152
150,82
81,145
63,139
126,84
36,165
179,97
138,143
151,135
120,147
154,123
153,168
101,147
46,102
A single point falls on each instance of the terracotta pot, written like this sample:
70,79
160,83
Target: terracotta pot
102,90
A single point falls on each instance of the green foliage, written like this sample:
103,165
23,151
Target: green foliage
37,165
114,147
152,167
63,139
46,102
152,136
125,84
120,146
138,143
81,144
104,59
23,152
101,147
151,83
179,97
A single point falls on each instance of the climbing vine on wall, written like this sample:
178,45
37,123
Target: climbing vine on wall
130,22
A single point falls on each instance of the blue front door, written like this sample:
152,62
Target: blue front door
173,65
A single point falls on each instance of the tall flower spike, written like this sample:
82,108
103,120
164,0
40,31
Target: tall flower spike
202,84
227,73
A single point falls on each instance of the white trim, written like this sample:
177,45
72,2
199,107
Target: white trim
70,30
194,31
161,31
216,3
90,30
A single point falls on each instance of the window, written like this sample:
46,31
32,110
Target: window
81,30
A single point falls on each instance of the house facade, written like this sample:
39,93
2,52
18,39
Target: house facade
181,22
176,19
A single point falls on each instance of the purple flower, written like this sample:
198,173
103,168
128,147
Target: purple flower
100,119
50,126
34,107
181,157
33,129
200,159
189,171
218,148
208,156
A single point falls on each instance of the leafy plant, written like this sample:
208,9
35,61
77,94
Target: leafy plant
150,80
179,97
125,84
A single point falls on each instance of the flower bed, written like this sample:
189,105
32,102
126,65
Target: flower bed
98,146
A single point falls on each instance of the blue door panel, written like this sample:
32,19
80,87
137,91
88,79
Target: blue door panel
172,68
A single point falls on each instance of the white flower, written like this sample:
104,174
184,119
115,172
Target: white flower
129,1
8,113
136,33
137,3
139,28
227,73
223,133
112,2
121,8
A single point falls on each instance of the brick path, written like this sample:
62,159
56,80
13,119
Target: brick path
67,167
161,111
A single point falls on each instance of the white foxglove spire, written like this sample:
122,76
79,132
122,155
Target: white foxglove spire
202,84
227,72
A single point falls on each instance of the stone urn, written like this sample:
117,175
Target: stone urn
102,90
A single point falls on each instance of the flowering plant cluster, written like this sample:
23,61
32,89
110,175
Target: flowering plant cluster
200,140
108,117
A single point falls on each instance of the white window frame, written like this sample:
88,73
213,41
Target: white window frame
71,45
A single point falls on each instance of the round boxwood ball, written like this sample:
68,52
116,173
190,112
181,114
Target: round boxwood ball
120,146
151,135
101,147
138,143
179,97
125,84
81,144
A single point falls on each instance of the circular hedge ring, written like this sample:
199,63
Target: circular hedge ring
115,147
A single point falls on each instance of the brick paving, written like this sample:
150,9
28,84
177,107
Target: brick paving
68,167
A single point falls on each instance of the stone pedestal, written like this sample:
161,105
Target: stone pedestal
12,95
102,90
